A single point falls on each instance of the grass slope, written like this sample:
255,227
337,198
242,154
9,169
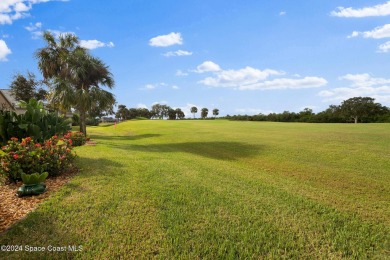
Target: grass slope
220,189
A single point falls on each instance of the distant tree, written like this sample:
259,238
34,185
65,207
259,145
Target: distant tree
330,115
132,113
179,113
156,111
160,111
100,111
25,88
171,114
306,115
165,110
143,112
215,112
41,94
122,112
194,110
288,116
204,112
358,107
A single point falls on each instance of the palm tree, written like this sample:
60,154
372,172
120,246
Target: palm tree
204,112
75,76
194,110
215,112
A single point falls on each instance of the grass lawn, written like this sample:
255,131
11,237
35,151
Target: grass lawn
220,189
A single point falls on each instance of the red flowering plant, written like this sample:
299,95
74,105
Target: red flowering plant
20,156
78,138
58,151
54,156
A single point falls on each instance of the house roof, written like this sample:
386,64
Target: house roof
8,95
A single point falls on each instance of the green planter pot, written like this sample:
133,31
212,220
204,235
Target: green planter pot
31,189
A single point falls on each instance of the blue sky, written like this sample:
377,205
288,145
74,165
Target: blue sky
242,57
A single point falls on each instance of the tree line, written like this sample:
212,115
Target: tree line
356,109
159,111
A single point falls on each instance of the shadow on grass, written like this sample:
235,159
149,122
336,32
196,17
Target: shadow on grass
126,138
106,125
213,150
97,166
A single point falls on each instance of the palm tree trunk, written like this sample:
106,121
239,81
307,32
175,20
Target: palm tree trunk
83,127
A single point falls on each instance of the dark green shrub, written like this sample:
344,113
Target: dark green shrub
75,120
9,126
92,121
36,123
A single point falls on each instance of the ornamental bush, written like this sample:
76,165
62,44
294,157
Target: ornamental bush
78,138
58,155
54,156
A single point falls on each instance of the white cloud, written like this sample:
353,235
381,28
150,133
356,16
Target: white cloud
250,78
166,40
360,85
282,13
377,10
21,7
4,51
141,105
286,83
158,85
93,44
5,19
11,10
377,33
34,27
239,78
150,86
177,53
364,80
162,102
207,66
180,73
385,47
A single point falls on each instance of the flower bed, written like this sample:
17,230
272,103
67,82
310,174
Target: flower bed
54,156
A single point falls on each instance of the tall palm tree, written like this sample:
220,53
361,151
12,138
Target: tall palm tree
194,110
76,76
215,112
204,112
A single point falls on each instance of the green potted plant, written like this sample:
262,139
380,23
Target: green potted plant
33,184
